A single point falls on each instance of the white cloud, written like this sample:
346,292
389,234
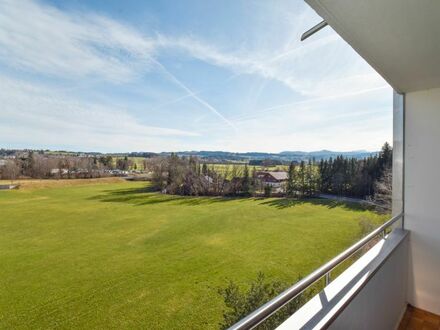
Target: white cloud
43,39
306,68
312,101
41,116
83,47
46,40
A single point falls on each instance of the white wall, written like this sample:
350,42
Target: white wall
381,303
373,289
422,197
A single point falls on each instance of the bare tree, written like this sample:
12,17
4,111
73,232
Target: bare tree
10,171
40,167
383,192
124,163
157,166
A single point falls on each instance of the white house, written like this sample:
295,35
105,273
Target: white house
276,179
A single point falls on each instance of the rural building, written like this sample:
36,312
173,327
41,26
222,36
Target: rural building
56,171
275,179
208,179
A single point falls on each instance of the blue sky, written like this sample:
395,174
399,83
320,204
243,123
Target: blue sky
183,75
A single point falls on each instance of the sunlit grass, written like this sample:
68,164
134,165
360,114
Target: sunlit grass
107,254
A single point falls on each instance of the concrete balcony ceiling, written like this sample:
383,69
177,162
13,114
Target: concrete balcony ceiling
398,38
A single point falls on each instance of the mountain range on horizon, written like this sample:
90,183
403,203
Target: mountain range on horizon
284,156
220,156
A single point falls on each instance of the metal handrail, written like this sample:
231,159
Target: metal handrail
262,313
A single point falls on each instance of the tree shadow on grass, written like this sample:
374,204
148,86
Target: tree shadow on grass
149,196
283,203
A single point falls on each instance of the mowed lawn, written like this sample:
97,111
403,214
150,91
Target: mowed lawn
112,254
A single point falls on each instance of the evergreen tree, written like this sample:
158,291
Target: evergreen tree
246,187
254,181
204,169
290,189
309,180
302,178
385,157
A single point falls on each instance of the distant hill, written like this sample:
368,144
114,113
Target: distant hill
325,154
214,156
285,156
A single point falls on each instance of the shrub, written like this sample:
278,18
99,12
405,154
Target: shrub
366,225
241,303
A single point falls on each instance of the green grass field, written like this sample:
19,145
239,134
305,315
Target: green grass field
219,168
228,168
112,255
139,161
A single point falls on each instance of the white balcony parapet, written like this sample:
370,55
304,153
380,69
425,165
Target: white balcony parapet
370,294
285,297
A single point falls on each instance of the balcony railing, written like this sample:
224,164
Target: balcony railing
265,311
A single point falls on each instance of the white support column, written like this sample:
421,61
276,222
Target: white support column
398,152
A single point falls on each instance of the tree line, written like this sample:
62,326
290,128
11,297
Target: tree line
188,176
41,166
356,178
340,176
343,176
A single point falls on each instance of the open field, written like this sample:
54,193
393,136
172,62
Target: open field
228,168
139,161
219,168
32,184
111,254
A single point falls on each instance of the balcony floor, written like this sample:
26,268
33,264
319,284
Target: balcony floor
417,319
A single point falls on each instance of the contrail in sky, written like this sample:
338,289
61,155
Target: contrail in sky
258,113
193,95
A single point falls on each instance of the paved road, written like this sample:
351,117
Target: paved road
344,199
